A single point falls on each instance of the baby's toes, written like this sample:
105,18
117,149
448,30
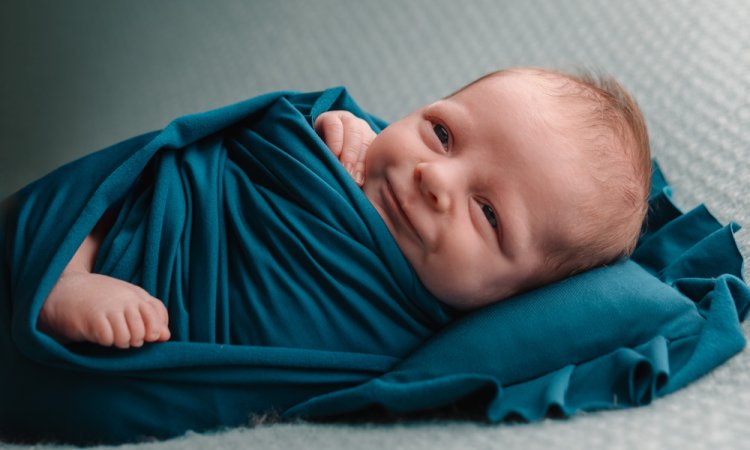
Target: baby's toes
155,318
120,330
100,332
136,326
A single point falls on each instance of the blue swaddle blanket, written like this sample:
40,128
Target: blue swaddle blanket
286,292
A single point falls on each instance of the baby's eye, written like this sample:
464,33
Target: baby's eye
489,213
442,134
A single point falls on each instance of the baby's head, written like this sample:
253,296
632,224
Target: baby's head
521,178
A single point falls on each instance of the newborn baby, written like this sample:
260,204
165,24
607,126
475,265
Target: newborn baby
521,178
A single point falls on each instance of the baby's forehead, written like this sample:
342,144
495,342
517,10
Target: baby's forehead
521,107
551,95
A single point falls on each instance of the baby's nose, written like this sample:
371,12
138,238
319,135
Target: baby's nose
434,185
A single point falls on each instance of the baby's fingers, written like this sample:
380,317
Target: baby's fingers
331,129
359,166
352,146
348,137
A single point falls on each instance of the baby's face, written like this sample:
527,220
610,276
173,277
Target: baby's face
472,186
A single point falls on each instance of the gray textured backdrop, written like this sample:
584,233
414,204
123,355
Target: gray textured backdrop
79,75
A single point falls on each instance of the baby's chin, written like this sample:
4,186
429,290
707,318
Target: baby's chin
467,299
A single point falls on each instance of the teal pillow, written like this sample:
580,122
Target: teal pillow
611,337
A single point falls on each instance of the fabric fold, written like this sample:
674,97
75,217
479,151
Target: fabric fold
281,279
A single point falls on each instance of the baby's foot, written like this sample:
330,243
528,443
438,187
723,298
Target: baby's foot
103,310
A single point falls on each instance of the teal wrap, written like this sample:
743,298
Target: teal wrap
286,292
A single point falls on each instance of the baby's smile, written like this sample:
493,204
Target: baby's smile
396,211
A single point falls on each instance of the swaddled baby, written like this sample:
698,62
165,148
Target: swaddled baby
521,178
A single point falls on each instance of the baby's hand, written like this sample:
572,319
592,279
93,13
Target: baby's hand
348,137
103,310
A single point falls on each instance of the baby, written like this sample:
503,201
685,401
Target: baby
521,178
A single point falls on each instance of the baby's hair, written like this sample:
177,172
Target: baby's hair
621,171
612,127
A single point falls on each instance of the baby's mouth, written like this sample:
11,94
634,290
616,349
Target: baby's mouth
397,213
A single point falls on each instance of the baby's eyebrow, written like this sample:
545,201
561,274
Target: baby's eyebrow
440,110
440,107
433,110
